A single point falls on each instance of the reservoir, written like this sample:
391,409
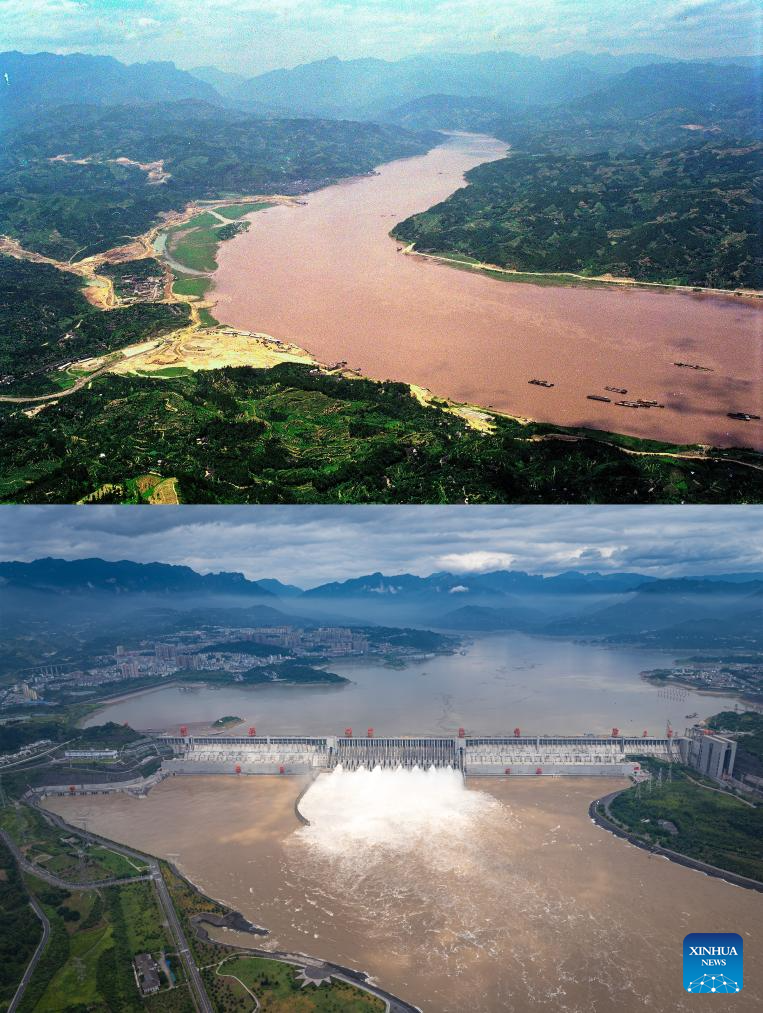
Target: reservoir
499,896
500,681
328,277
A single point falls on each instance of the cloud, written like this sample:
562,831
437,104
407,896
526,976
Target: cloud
476,562
257,35
309,545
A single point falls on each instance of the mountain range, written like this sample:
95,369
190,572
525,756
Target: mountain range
85,576
419,87
723,609
31,83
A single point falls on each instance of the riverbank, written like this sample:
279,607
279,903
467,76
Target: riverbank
553,685
480,919
749,699
599,813
404,317
187,910
562,278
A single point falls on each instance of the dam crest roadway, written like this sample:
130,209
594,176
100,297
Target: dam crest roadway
516,754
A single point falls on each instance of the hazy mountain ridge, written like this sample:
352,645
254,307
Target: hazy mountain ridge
499,582
40,81
95,573
372,87
672,613
123,577
362,88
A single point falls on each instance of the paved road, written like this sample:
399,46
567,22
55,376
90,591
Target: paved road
198,991
65,884
35,956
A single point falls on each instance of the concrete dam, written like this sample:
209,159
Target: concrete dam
510,755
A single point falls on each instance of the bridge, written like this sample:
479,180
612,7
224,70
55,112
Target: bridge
507,755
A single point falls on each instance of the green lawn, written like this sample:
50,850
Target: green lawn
194,245
206,318
76,981
166,371
712,827
239,210
191,286
276,986
95,937
65,855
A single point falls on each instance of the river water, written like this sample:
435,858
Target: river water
502,896
328,277
500,681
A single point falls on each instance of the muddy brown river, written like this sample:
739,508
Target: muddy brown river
502,896
328,277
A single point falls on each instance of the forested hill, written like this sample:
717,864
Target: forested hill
658,177
88,201
666,106
683,217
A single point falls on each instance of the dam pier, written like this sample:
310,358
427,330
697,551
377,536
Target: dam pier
509,755
514,755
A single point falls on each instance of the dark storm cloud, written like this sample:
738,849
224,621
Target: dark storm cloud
309,545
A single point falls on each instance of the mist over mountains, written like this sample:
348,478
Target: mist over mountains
438,90
32,83
98,576
711,610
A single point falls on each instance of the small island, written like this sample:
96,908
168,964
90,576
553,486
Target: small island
228,721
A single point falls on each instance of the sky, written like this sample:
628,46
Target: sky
252,36
310,545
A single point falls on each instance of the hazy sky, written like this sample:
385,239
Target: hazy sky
256,35
309,545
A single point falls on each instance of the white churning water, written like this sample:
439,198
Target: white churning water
361,812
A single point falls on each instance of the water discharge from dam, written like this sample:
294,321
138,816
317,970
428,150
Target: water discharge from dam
359,817
495,895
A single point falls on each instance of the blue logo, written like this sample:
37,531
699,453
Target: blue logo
713,962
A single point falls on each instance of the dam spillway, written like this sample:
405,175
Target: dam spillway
472,755
391,753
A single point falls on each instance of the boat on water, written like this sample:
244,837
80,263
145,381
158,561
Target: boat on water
640,403
617,390
598,397
541,383
693,365
743,416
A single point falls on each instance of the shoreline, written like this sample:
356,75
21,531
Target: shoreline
605,822
234,920
697,403
571,278
720,692
105,702
201,346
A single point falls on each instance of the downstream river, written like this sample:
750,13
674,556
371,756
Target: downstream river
500,681
501,896
328,277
